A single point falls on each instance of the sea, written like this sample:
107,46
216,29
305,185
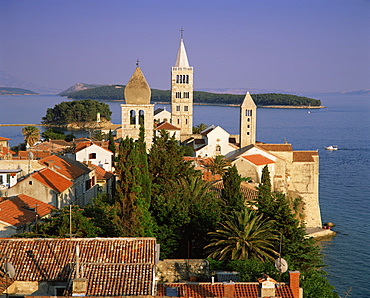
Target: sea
344,189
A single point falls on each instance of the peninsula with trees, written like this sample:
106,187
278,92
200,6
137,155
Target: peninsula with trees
15,91
115,92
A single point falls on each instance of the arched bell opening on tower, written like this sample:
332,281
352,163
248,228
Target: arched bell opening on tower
141,117
132,117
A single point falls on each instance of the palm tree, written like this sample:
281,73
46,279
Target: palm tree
199,128
244,235
218,165
31,135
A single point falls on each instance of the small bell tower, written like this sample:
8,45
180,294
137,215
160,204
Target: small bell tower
248,115
182,91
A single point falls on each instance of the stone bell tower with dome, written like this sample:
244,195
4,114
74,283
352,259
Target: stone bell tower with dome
137,110
182,91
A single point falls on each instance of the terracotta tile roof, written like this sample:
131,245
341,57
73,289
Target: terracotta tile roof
276,147
203,290
167,126
83,145
101,173
52,146
304,156
48,259
116,279
258,159
67,167
4,139
52,179
15,210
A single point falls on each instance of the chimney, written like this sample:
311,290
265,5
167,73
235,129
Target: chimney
229,289
79,287
267,286
294,283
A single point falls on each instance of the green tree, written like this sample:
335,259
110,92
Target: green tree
111,143
231,192
53,134
199,128
243,235
133,190
301,253
166,169
31,135
218,165
204,212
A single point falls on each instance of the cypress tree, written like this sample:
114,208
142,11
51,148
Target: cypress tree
231,193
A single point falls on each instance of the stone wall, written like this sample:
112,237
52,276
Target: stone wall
175,270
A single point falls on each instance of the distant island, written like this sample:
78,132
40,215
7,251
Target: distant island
115,92
16,91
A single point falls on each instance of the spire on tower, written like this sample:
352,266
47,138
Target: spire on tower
182,58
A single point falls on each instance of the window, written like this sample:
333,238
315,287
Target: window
141,117
92,156
187,79
178,94
248,126
1,179
249,119
177,79
132,117
248,133
178,108
186,95
178,121
30,182
218,149
186,108
248,112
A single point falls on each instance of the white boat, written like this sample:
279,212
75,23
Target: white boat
332,147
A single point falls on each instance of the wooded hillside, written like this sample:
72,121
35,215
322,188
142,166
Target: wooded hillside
115,92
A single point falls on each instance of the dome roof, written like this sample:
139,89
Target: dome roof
137,90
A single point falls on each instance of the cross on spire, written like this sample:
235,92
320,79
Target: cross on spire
182,33
137,62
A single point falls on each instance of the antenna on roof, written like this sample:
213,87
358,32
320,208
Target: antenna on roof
280,264
9,273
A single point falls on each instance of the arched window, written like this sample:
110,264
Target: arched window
187,79
141,117
218,149
181,79
132,117
177,79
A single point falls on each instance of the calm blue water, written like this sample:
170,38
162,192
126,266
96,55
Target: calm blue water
344,175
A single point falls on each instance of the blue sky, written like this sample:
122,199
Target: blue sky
297,45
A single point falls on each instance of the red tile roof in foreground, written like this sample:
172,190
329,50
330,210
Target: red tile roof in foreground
304,156
203,290
16,210
275,147
69,168
116,279
107,262
4,139
52,179
258,159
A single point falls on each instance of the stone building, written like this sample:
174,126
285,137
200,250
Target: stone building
137,110
182,92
